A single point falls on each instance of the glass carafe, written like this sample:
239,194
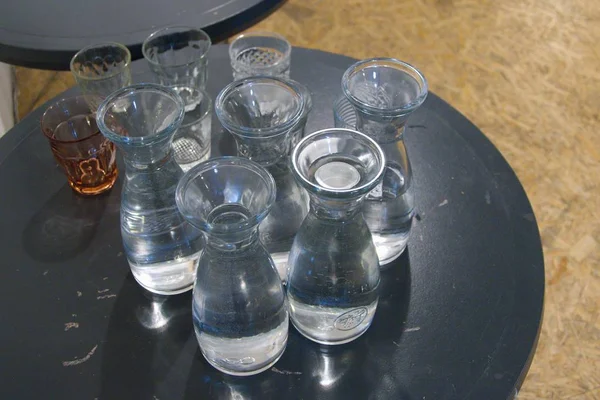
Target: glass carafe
161,247
263,113
384,92
333,278
239,310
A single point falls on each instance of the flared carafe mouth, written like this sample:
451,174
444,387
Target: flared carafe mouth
338,163
260,107
140,114
225,195
384,86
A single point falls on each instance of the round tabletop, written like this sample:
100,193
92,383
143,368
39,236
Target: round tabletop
46,34
458,317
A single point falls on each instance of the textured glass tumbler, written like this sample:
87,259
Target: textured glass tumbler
100,70
161,247
239,310
191,144
384,92
260,54
87,158
333,279
178,56
263,113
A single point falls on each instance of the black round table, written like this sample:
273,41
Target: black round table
46,34
458,318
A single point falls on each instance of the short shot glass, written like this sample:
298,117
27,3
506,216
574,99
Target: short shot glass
101,69
260,54
178,55
85,155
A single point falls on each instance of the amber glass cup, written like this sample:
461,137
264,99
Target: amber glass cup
86,156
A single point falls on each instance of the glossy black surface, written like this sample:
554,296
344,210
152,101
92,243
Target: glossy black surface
458,317
46,34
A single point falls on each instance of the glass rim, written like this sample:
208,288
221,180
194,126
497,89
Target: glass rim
337,193
258,132
54,105
217,162
286,55
175,29
139,140
102,44
386,62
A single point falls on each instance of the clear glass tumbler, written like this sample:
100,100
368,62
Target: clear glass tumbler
178,56
161,246
101,69
298,132
239,310
384,92
260,54
262,113
191,144
87,158
333,279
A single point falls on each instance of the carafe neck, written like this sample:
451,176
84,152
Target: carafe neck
145,157
232,242
335,209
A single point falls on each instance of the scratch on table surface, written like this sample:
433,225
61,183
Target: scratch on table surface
284,372
106,296
488,198
416,328
70,325
79,293
105,278
78,361
443,203
45,273
103,290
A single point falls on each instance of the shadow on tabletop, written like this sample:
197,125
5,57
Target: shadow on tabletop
146,335
64,226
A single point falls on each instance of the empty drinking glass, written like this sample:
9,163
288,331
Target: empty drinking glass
260,53
161,247
298,132
101,69
384,92
333,267
178,56
191,143
239,310
87,158
262,113
344,114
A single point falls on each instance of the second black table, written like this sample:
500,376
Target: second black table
46,34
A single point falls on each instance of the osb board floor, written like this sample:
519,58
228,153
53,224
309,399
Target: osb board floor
527,73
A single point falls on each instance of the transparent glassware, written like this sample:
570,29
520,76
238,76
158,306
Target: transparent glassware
87,158
191,143
239,309
262,113
333,278
178,56
384,93
161,246
260,54
298,132
100,69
